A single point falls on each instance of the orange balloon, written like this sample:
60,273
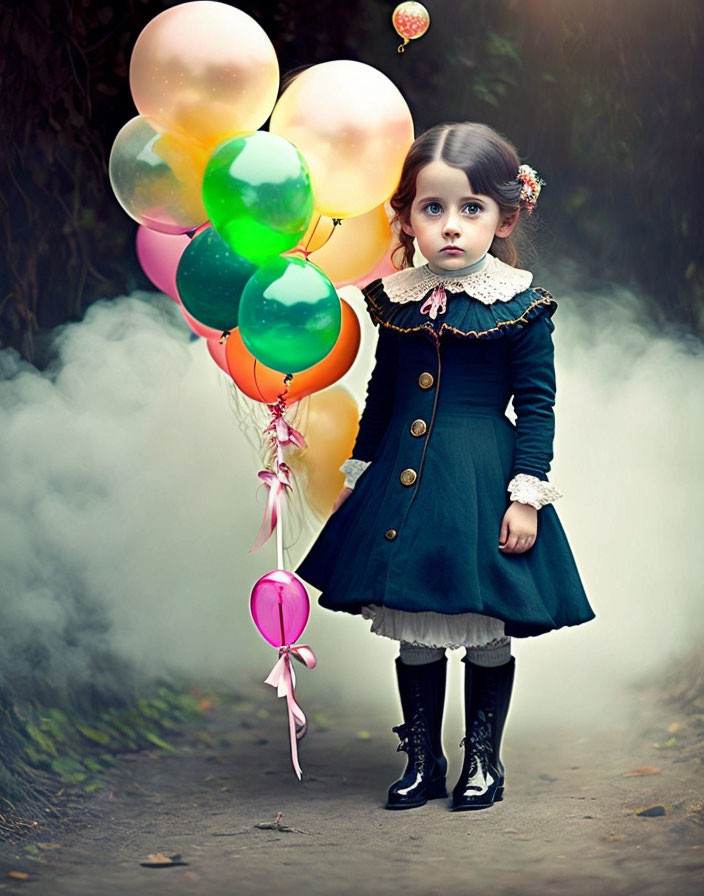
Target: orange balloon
264,384
330,429
355,247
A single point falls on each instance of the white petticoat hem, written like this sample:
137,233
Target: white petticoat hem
429,629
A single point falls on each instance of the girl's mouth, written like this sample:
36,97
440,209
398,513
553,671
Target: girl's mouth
452,250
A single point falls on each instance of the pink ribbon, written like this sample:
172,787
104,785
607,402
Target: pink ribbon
435,304
277,483
283,679
284,432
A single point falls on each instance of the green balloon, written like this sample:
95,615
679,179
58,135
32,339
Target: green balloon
210,278
290,315
258,195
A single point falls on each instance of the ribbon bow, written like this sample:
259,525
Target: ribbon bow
282,678
277,483
285,433
436,303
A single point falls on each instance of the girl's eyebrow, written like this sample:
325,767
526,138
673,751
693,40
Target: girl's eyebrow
437,199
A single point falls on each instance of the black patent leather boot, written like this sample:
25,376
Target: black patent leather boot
422,690
487,694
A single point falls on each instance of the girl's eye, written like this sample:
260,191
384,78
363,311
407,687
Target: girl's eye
434,208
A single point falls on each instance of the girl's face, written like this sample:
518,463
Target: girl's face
453,225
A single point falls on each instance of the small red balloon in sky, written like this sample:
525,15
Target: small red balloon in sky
411,20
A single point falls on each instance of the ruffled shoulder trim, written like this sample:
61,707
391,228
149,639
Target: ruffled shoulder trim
464,317
496,281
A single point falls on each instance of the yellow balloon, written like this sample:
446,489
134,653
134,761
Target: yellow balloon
206,69
319,232
330,429
353,127
356,247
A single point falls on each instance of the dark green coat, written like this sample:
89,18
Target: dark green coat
420,531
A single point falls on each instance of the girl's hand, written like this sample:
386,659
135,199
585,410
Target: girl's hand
519,528
341,498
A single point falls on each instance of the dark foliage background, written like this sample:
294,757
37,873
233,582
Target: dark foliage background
602,98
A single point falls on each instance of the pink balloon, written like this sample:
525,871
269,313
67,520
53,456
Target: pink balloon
280,607
197,327
159,255
218,354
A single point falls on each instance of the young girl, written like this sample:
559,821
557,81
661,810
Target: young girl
445,534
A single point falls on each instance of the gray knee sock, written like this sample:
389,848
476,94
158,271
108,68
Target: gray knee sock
494,655
412,655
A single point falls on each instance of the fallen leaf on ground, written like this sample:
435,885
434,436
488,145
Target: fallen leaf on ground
642,770
159,860
676,726
651,812
18,875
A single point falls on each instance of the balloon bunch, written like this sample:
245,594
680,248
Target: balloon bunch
242,227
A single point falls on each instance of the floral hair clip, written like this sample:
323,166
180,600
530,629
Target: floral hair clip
532,183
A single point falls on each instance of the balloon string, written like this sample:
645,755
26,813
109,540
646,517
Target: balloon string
280,522
256,381
304,249
278,479
312,234
280,460
281,621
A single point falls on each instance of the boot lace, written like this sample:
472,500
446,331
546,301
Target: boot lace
478,743
414,739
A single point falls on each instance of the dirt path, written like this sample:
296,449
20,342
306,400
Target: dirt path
567,824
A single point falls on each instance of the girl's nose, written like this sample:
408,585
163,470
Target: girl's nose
451,227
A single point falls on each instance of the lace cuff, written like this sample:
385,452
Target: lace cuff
353,469
531,490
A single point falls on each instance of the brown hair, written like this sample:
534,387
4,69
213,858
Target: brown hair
490,162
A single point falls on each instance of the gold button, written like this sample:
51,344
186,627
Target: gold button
418,427
409,476
390,534
426,380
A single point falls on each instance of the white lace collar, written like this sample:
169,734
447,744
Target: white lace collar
496,281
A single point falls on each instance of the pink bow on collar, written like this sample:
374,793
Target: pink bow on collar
436,303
